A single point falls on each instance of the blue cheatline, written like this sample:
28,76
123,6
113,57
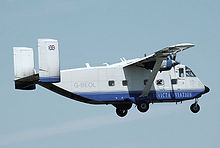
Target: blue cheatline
49,79
135,95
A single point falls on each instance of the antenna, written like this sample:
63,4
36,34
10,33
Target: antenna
123,59
87,65
106,64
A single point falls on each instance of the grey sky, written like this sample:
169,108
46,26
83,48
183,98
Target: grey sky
102,31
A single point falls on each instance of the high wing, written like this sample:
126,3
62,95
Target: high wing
157,58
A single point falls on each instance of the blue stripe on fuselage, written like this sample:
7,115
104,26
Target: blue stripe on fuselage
49,79
134,95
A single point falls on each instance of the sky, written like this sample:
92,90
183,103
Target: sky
102,31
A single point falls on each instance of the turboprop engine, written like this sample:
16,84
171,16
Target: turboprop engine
166,65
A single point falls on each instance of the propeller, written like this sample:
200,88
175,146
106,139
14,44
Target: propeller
172,56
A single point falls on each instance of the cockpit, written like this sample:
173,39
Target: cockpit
189,72
185,72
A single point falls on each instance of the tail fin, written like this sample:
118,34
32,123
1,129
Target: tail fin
23,67
49,63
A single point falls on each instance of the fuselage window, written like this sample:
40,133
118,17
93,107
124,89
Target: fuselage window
173,81
160,82
189,72
125,83
145,82
111,83
181,72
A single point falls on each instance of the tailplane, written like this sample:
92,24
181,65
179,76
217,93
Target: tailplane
49,65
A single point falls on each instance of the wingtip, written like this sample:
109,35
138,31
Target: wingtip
185,45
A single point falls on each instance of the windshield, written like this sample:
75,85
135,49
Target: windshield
189,72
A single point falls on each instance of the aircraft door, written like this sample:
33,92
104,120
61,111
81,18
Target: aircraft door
180,72
160,84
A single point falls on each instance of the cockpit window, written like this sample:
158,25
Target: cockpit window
181,72
189,72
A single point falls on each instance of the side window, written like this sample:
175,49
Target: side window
181,72
160,82
145,82
125,83
111,83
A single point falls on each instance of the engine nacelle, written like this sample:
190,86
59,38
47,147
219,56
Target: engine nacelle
167,64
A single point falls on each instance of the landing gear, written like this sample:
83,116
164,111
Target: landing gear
122,108
195,107
121,112
143,106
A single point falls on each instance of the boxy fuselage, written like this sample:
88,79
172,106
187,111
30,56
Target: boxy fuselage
112,83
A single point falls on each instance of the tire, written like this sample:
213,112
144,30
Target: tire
143,107
121,112
195,108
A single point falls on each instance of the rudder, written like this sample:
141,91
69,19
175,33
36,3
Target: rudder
49,62
23,68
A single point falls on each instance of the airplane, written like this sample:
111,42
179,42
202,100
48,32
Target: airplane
156,78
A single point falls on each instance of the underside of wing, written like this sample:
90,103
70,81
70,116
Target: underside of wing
174,49
159,61
149,61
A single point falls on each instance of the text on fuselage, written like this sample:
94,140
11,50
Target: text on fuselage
84,85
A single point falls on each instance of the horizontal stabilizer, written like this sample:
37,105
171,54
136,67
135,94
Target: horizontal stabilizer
27,83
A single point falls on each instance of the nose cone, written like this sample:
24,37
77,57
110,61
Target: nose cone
206,90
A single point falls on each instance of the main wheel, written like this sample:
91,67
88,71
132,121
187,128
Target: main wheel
195,108
121,112
143,106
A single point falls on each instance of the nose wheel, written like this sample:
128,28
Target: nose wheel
195,107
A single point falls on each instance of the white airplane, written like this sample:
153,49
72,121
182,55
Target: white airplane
152,79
